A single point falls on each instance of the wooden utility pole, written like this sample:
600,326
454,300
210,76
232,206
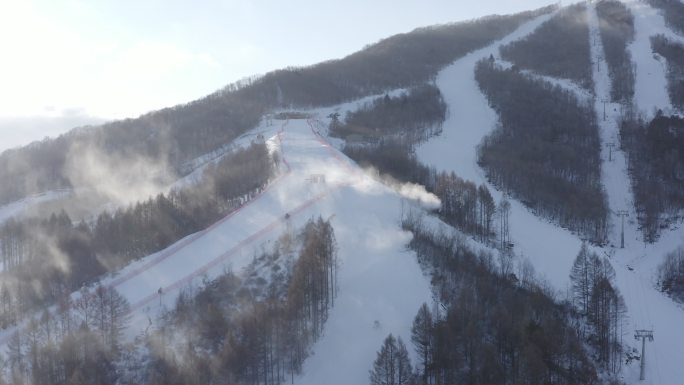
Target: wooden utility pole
622,214
605,102
643,334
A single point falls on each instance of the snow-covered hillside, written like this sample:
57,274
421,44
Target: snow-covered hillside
636,264
381,285
552,249
650,89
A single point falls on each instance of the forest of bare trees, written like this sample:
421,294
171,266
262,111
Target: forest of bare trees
43,259
79,343
656,168
671,274
545,151
559,48
253,330
392,365
410,117
464,204
400,61
672,11
596,298
616,25
495,327
673,52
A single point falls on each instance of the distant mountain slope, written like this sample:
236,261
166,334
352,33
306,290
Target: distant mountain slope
559,48
173,136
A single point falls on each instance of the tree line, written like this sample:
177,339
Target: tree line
493,326
414,115
656,167
43,259
672,11
79,343
671,274
400,61
558,48
545,151
256,329
600,302
616,25
179,134
392,365
673,52
464,204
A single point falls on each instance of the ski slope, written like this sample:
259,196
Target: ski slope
636,264
378,279
552,249
650,88
470,120
381,285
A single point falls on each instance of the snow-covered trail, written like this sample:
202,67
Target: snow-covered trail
467,109
381,287
380,284
470,120
232,242
650,88
614,176
552,249
636,264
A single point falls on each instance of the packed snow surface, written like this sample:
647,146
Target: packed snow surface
650,89
553,249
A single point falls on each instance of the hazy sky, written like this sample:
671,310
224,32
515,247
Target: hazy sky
113,58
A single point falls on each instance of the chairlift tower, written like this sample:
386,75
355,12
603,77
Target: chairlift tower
643,335
622,214
605,103
610,146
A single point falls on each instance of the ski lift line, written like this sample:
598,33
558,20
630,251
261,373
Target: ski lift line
643,295
647,319
635,286
657,364
179,246
637,296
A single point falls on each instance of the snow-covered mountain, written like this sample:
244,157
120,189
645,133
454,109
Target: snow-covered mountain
380,282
